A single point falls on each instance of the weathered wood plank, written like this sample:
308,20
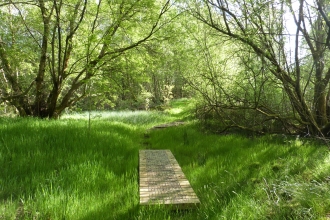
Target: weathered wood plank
162,180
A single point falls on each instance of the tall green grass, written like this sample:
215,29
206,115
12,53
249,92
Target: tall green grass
61,169
64,170
237,177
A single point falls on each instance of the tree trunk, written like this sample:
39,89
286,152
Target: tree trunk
40,105
321,81
320,103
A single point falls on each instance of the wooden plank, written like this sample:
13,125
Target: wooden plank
163,182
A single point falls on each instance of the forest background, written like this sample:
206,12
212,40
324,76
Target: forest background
252,65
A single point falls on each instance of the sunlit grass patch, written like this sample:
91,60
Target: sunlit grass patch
131,118
182,108
175,111
68,168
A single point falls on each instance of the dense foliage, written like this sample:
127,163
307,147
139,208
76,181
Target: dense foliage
253,65
50,50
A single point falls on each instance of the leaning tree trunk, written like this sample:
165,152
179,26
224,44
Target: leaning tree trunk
257,31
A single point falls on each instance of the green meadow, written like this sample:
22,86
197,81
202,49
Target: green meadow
76,168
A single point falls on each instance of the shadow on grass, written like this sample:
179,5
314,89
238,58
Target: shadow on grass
107,212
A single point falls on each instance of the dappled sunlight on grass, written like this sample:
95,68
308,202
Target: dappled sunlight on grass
56,169
61,169
237,177
322,170
175,111
182,108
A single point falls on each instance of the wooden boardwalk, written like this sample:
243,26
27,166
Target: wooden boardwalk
163,182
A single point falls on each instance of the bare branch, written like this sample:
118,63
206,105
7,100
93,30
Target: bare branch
7,98
18,2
